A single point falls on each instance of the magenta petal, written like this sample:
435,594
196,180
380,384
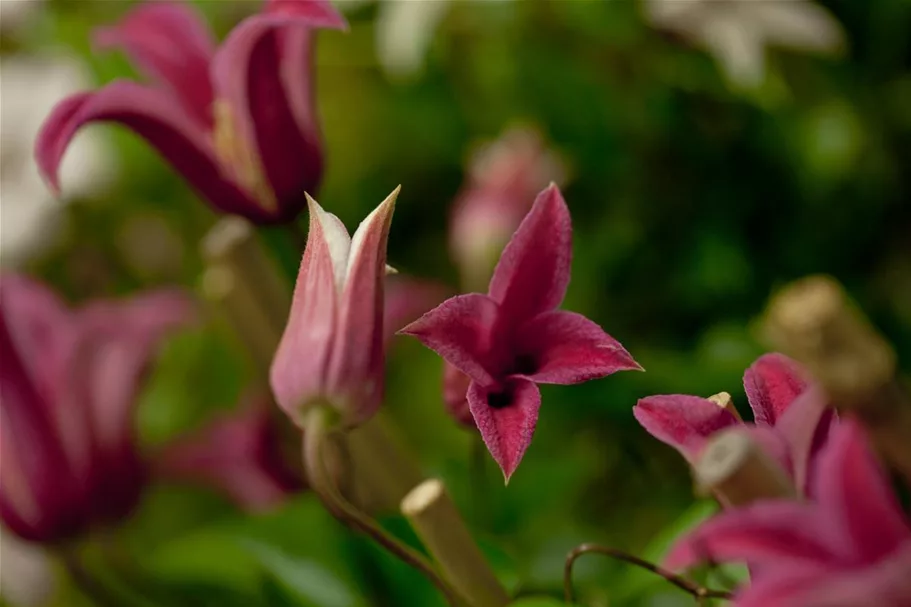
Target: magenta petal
171,43
784,587
568,348
455,395
805,427
317,13
681,421
406,299
460,330
885,583
772,383
779,531
773,444
533,272
506,419
157,118
854,489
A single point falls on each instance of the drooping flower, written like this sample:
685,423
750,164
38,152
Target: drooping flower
238,122
792,420
332,350
239,455
515,337
850,545
504,176
69,381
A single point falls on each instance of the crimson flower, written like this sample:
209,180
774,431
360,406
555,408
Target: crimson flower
849,546
332,350
237,454
792,421
238,122
514,338
69,381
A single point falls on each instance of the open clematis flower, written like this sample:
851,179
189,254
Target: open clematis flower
792,421
851,545
514,338
332,350
239,455
238,122
69,381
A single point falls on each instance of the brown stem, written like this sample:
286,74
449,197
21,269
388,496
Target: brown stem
344,511
698,592
433,515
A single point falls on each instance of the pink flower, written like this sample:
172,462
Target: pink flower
503,179
331,352
850,546
237,454
792,421
514,338
69,382
238,122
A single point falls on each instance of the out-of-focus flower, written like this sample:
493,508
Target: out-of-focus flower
238,122
27,575
332,350
737,33
504,177
514,338
851,545
239,455
406,299
69,382
455,394
31,87
792,421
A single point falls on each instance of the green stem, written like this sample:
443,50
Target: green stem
102,592
344,511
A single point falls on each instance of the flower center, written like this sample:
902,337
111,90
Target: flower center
524,364
499,400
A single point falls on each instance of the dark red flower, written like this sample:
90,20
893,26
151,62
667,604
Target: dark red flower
515,337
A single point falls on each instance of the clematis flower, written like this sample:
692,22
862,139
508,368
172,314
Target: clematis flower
238,455
69,381
332,350
504,176
792,421
514,338
237,122
851,545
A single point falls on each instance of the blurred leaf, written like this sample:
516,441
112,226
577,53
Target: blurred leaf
540,601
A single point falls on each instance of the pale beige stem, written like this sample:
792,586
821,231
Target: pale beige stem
432,514
739,472
814,321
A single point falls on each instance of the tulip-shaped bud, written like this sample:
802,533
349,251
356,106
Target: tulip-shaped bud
331,353
503,179
237,121
69,382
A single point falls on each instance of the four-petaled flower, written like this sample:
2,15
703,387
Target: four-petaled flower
238,122
850,545
69,380
514,338
792,421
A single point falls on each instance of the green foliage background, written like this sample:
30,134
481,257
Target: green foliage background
691,204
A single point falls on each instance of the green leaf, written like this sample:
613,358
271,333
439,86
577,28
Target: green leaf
540,601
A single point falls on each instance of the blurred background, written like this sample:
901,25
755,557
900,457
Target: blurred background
710,151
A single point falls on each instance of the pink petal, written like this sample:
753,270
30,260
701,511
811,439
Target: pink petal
683,422
885,583
772,443
506,419
774,532
316,13
460,330
852,487
533,272
786,586
173,45
772,383
805,427
299,367
157,118
567,348
455,395
237,454
406,299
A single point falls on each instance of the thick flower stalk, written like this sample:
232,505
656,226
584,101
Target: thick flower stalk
850,545
69,381
332,351
239,455
515,337
238,121
792,420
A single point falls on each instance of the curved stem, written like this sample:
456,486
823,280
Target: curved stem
343,510
698,592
